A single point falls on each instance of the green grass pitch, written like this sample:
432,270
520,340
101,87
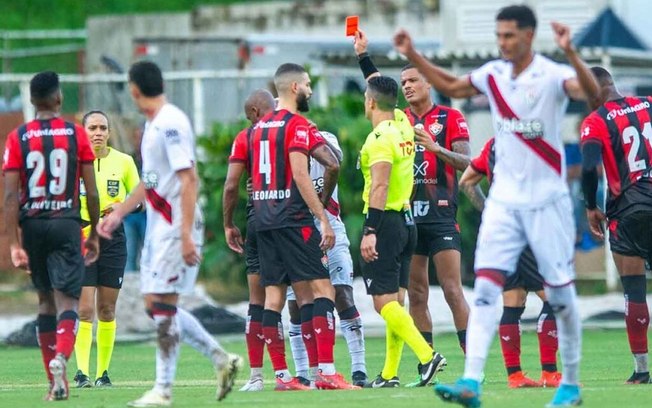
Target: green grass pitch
606,364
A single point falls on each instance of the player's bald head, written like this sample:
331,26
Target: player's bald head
259,103
286,75
603,76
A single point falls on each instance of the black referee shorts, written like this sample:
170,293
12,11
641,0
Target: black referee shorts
109,269
394,243
55,257
527,274
291,255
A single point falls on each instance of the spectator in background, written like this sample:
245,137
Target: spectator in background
136,222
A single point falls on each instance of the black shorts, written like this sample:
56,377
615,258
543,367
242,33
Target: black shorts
251,248
527,274
433,237
290,255
631,235
109,269
55,257
394,244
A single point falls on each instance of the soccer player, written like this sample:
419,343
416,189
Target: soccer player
290,248
620,133
386,161
116,176
257,105
529,202
340,266
444,151
171,254
526,279
43,161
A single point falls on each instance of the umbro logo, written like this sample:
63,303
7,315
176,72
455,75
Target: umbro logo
318,331
260,336
307,336
52,347
355,327
641,321
505,338
447,238
268,341
552,333
61,330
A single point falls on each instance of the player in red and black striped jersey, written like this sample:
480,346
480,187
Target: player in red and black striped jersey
442,137
526,279
43,162
620,134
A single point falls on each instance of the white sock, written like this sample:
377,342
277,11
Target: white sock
481,327
299,353
195,335
167,352
354,334
569,330
256,372
283,375
641,363
327,368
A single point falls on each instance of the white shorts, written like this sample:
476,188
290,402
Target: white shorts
549,230
163,270
340,264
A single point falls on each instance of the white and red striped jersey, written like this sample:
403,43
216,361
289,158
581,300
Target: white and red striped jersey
527,113
168,146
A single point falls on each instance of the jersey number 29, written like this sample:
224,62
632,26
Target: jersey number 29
58,164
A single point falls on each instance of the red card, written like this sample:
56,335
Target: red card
351,25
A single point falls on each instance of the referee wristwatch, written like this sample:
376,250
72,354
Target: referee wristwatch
368,230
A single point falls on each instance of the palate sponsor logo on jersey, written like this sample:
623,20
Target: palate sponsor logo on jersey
301,135
530,129
112,188
150,179
436,128
318,184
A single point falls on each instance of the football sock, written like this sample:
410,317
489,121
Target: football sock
273,332
105,341
46,331
510,338
254,336
256,372
66,332
393,351
400,322
482,322
461,338
563,301
194,334
637,318
307,352
547,334
298,348
323,323
167,347
83,344
427,336
353,332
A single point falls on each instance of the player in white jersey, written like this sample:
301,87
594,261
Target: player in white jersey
174,235
340,266
529,201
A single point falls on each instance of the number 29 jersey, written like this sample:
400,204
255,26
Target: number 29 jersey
622,128
266,148
48,154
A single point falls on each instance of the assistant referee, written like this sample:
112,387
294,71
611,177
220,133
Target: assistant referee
116,175
386,161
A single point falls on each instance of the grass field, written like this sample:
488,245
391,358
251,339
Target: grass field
606,364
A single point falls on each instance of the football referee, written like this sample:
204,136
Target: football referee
386,161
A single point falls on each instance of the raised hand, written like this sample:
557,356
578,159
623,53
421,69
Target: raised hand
360,42
562,36
403,42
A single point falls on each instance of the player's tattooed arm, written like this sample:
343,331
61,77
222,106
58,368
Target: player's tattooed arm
325,156
470,185
459,157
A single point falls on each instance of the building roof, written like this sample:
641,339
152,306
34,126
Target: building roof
607,30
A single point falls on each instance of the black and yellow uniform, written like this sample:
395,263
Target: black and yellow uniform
392,141
116,176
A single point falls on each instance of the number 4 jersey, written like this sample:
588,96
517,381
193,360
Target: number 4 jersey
48,154
623,130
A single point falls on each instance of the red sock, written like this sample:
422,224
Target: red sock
547,333
324,327
308,334
510,337
254,336
47,340
273,332
637,319
67,332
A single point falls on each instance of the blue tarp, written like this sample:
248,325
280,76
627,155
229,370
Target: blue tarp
608,30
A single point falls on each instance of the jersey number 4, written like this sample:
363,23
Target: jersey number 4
58,166
264,162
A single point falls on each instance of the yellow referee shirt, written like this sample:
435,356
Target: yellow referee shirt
392,141
116,176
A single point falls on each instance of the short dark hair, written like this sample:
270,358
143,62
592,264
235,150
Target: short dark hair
288,68
602,75
148,78
407,66
94,112
384,90
522,14
44,84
